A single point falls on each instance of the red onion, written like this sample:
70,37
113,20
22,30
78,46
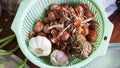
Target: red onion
65,36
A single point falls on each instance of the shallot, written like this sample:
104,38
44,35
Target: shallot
31,34
92,36
51,16
38,26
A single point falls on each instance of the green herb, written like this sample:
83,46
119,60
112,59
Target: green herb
23,63
6,40
9,52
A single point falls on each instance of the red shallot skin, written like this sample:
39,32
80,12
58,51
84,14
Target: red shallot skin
79,9
46,20
92,36
86,10
32,34
85,30
46,29
65,36
62,21
78,23
85,7
93,25
38,26
54,40
58,14
51,16
66,6
42,34
88,14
55,7
55,32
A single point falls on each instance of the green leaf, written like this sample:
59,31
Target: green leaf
23,63
6,42
9,52
7,38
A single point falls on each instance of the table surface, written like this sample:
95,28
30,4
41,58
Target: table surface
6,21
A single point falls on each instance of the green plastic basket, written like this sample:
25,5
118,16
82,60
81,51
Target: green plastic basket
32,10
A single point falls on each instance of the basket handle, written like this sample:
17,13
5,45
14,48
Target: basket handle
107,33
108,26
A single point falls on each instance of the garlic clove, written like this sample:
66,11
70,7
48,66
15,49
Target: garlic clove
64,61
32,45
47,49
40,46
54,61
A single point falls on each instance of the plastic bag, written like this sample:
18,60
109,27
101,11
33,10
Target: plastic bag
10,6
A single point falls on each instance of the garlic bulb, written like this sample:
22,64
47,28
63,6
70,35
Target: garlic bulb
40,46
59,58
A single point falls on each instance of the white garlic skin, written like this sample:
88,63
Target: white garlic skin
59,58
40,42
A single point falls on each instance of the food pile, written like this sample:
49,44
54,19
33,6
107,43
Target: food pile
64,32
